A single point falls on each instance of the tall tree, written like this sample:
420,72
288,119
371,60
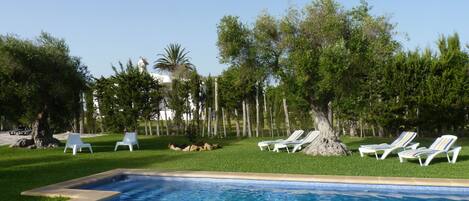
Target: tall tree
127,96
237,48
328,52
174,60
48,82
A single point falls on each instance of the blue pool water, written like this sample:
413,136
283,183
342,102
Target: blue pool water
139,188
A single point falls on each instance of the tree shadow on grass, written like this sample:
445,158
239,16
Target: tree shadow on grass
154,143
12,163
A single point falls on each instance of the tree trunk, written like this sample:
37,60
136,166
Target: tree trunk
215,126
313,120
244,119
101,124
271,122
145,126
224,121
209,121
380,131
158,124
197,114
41,136
203,121
330,114
361,129
287,120
82,122
275,122
76,124
328,142
353,129
1,123
265,120
149,126
248,116
257,112
166,119
237,123
338,127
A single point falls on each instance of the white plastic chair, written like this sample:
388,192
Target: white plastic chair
130,139
293,137
297,145
402,142
441,145
74,142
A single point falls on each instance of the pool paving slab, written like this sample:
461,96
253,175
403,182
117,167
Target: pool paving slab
65,189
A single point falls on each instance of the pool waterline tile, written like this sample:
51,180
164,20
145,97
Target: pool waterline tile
66,189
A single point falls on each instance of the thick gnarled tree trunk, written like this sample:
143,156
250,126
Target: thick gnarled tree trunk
328,142
41,136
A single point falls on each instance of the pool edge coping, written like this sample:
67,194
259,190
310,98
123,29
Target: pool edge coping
65,189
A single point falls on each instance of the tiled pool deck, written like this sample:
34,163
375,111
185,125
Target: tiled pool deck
65,189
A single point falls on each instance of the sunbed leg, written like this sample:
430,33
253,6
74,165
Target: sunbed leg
74,149
420,161
376,154
455,151
296,148
91,150
429,159
115,148
131,147
401,159
385,154
65,150
288,151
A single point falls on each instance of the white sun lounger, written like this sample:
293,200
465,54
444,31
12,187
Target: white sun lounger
74,142
293,137
441,145
298,144
130,139
402,142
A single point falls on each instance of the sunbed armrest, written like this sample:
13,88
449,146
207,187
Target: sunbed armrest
412,145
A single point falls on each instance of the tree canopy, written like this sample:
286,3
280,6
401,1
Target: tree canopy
41,85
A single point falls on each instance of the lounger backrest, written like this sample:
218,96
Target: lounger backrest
443,143
130,137
404,139
74,138
295,135
312,135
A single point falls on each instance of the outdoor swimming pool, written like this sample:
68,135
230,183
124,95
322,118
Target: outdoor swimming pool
138,187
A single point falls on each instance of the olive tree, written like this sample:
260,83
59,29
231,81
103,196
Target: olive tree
48,83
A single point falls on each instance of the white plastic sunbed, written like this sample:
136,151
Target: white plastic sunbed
402,142
441,145
130,139
293,137
298,144
74,142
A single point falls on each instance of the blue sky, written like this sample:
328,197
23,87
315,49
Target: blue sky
107,31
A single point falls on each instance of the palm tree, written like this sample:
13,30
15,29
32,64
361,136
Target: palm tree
174,60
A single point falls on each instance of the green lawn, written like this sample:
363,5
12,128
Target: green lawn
22,169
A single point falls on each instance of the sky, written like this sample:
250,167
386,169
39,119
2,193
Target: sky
105,32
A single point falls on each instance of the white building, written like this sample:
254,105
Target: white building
165,113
